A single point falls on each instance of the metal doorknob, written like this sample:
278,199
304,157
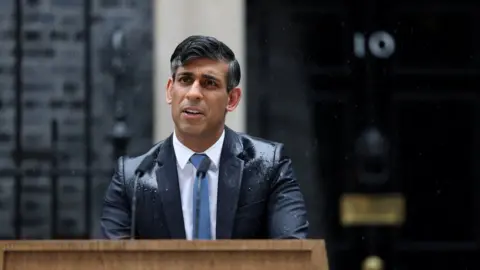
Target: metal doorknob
372,263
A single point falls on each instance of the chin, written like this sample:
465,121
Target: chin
193,130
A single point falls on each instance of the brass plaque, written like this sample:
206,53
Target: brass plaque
372,209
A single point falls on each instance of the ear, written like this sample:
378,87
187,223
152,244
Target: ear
168,93
234,99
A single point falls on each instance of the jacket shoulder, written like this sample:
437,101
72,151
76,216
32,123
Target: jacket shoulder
130,163
260,147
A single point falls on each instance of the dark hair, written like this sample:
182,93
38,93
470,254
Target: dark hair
198,46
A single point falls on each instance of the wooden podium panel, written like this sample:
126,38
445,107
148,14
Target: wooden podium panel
163,254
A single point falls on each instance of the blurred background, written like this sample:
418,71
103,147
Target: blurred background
369,97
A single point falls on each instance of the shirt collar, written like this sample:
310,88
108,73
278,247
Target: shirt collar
183,153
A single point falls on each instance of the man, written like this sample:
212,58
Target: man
249,191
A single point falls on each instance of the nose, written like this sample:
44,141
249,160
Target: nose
195,91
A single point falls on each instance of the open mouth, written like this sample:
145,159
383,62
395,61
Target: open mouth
192,112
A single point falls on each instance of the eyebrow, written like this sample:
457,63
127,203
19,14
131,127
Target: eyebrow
185,73
211,77
206,76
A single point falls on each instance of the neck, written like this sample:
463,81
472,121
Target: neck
199,143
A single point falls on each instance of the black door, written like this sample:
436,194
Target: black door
410,70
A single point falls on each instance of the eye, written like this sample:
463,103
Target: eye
185,79
210,83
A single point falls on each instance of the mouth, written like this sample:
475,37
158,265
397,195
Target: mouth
192,112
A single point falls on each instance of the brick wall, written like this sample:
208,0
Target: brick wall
54,90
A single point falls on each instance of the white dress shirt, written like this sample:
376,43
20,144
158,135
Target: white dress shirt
186,177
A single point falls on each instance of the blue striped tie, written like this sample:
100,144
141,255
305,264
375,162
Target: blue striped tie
201,228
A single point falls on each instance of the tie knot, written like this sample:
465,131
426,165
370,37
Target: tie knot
196,159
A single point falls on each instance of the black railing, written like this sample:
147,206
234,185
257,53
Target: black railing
54,178
18,111
87,11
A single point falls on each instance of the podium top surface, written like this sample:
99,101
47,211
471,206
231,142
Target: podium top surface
163,254
159,245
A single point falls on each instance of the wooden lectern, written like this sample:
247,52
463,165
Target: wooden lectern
163,254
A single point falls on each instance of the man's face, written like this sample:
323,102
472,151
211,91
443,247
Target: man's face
198,97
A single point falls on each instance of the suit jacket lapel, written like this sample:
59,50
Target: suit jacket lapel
169,190
229,183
